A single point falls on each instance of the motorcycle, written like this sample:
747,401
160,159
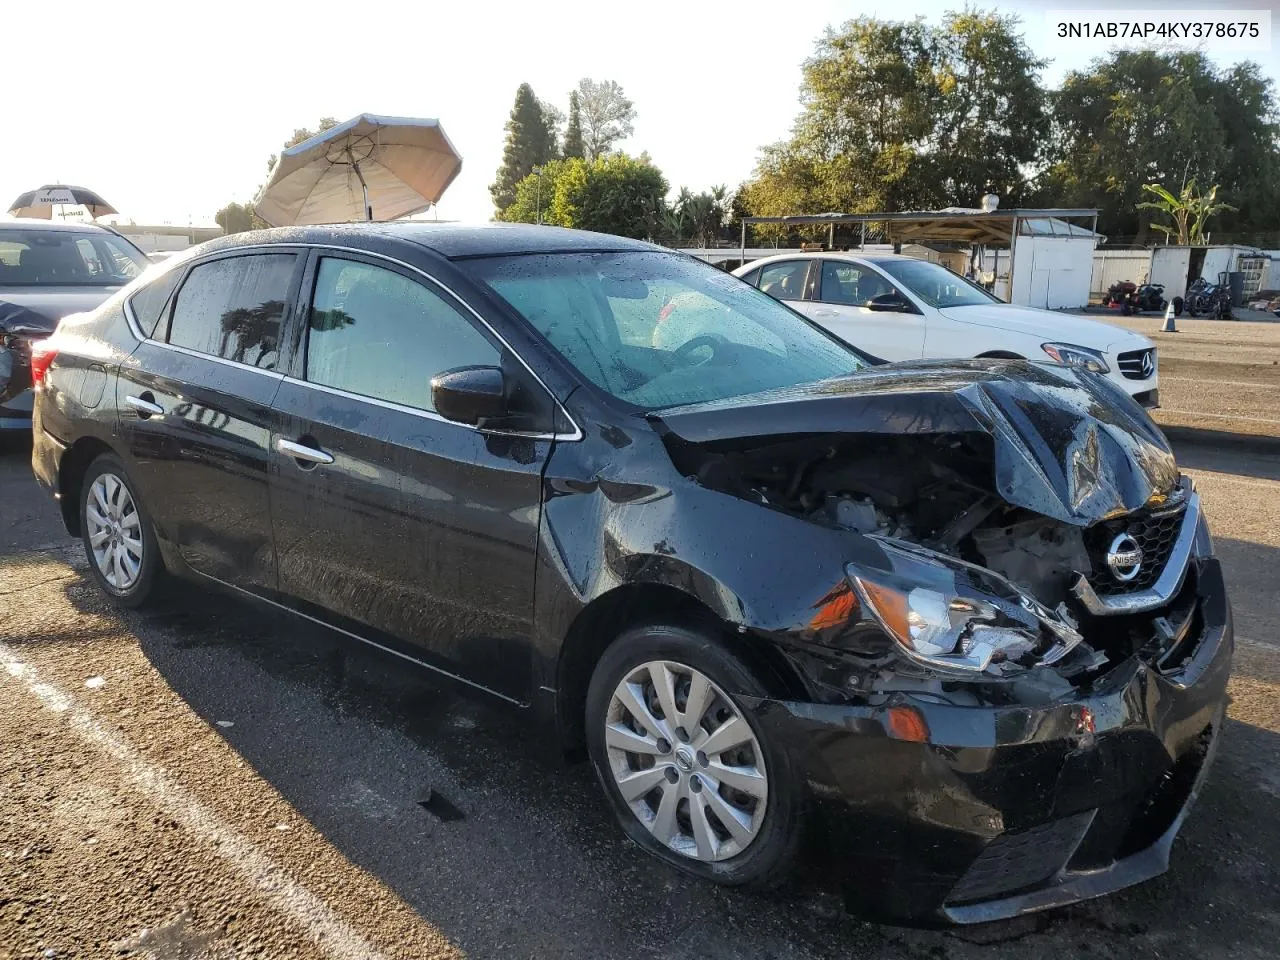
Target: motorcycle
1212,300
1132,298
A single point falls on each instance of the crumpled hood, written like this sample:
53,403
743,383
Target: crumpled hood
1068,444
40,308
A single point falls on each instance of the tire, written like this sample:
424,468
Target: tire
762,861
128,579
1191,308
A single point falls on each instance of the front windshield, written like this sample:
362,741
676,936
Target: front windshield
935,285
47,258
661,330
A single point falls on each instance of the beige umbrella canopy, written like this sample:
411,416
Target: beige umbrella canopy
40,203
370,166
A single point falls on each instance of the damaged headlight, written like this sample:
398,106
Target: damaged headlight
1071,355
955,616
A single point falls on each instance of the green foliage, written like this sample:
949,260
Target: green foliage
697,216
908,116
606,116
573,144
530,143
1188,212
238,217
1140,117
612,194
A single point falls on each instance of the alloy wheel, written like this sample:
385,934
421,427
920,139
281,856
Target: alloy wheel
686,761
114,530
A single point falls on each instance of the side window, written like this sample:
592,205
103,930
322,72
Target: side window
379,334
850,284
232,308
784,281
149,302
752,277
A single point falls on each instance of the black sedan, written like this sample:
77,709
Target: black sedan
47,271
964,617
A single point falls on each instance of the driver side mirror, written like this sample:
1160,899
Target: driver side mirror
470,395
889,303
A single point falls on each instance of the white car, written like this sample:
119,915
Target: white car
901,308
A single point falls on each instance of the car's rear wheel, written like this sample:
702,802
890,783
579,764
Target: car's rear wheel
119,541
689,774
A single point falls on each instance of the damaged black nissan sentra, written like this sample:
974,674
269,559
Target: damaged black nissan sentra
964,617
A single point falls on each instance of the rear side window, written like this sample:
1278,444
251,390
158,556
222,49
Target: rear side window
784,281
379,334
149,302
233,308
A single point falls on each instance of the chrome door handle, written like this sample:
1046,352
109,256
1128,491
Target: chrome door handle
144,407
300,451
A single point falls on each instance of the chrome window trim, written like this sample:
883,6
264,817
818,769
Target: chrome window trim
1167,584
576,435
420,412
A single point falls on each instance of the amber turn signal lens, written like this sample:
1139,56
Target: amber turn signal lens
908,723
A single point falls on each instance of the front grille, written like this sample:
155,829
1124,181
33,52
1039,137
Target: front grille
1017,861
1132,366
1155,533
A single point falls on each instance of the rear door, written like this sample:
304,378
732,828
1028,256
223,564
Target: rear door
785,280
390,521
195,400
843,290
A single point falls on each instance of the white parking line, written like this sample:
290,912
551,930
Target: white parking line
333,935
1226,383
1215,416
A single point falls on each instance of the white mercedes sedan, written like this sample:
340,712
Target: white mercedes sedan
902,308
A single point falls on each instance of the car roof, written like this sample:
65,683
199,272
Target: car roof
27,224
455,241
832,255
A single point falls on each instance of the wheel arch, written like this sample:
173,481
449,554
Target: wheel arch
630,605
72,468
1000,355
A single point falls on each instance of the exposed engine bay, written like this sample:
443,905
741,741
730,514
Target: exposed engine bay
925,498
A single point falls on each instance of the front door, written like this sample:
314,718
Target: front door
195,406
844,289
390,521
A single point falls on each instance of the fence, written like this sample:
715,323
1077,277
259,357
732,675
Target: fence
1114,266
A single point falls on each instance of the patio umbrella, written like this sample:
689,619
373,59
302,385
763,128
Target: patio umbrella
391,166
40,203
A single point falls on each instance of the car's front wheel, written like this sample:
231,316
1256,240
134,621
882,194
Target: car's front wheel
119,541
689,774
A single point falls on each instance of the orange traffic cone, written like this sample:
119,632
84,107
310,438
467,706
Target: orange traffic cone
1169,325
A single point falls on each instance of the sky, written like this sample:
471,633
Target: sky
169,115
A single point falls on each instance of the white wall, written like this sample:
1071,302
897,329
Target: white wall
1169,266
1053,273
1116,266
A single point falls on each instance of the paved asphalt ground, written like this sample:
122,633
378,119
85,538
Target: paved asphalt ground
212,781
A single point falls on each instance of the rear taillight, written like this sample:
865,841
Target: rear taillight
42,354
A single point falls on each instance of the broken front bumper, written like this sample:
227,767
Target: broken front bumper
971,813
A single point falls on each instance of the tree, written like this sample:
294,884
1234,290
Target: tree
530,143
1188,211
553,118
606,116
573,145
899,116
697,216
238,217
612,194
1138,117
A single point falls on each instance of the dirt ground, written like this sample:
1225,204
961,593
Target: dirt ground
212,781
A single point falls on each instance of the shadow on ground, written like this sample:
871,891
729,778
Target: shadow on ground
353,739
